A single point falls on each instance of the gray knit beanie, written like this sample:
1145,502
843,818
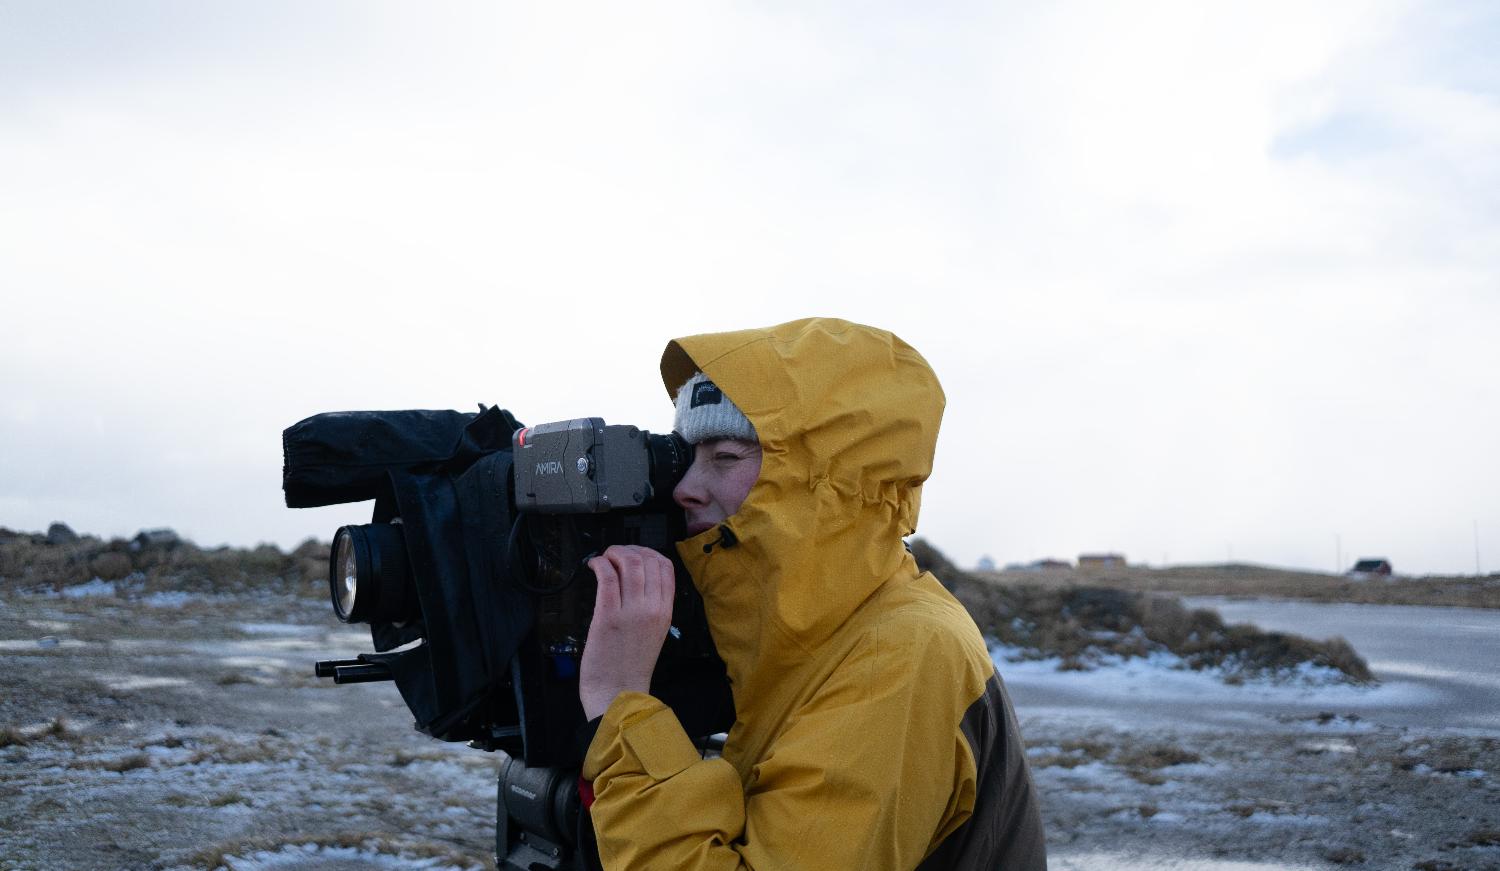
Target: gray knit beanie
704,412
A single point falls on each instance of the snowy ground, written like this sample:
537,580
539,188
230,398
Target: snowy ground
179,731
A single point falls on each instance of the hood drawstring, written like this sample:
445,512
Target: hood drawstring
726,538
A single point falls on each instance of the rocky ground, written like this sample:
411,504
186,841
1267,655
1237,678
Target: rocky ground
178,731
1325,792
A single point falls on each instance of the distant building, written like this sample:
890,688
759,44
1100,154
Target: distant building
1371,567
986,563
1101,561
1038,565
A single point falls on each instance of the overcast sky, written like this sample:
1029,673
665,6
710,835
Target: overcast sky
1201,280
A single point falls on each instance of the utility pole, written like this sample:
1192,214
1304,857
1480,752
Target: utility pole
1478,570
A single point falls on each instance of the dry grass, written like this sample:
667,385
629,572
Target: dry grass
237,753
1344,856
1083,624
57,728
1156,756
404,758
119,764
1141,763
28,562
1266,582
1072,754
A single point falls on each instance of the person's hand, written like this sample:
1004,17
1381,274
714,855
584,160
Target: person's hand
632,612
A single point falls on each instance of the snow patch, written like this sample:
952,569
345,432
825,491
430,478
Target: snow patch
46,642
278,629
1163,676
1121,862
127,682
169,599
96,587
50,625
295,856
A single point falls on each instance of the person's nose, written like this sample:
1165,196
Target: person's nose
689,492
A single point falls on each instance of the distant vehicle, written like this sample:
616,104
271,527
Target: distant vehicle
1370,567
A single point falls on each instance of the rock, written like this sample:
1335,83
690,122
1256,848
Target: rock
61,533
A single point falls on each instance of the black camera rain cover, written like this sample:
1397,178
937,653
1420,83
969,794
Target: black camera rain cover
446,475
346,456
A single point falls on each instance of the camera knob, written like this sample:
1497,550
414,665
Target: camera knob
583,465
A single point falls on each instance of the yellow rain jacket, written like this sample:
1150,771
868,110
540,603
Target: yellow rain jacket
871,730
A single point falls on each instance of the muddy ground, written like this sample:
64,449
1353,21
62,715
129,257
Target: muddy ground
179,731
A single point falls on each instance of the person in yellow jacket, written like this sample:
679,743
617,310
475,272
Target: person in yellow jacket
872,731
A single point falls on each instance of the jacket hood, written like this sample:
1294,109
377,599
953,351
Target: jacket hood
848,419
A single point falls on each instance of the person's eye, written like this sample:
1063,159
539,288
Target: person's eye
725,456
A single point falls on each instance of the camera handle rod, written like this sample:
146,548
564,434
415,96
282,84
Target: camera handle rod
353,670
325,667
365,672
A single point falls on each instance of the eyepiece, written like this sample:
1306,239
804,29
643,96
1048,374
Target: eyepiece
369,578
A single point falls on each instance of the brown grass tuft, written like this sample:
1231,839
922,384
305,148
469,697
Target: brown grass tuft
1156,756
1344,856
118,765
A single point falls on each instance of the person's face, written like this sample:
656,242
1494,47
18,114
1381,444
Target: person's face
722,473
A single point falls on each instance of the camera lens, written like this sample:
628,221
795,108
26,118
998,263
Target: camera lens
369,578
670,457
345,579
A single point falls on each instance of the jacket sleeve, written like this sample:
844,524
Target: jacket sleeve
871,772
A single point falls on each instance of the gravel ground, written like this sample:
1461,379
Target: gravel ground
187,732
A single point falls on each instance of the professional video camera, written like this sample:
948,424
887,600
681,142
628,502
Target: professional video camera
471,576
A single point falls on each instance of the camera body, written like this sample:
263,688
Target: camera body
471,572
582,466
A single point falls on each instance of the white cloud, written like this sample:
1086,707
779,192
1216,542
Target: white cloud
1193,275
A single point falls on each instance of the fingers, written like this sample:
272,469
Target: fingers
632,568
632,614
638,576
607,593
663,586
